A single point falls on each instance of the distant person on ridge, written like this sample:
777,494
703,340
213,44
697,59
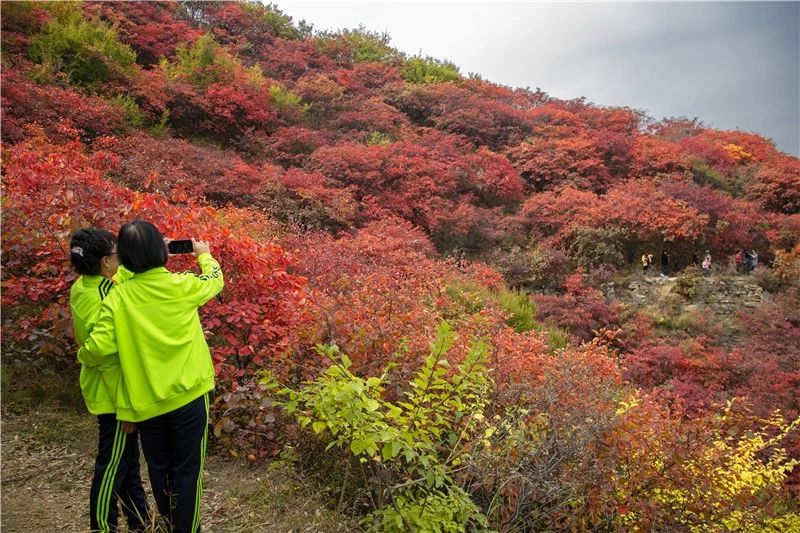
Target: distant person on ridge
460,260
707,264
695,259
645,263
116,479
664,263
739,261
753,260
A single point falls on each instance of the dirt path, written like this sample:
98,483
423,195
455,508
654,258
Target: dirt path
47,459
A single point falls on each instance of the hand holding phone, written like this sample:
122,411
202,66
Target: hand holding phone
200,247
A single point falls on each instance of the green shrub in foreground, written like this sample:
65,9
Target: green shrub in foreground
398,443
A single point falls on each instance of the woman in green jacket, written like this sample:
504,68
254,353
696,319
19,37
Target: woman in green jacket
152,321
93,253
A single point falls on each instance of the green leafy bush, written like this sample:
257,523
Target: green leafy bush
705,174
358,45
592,247
283,98
280,23
377,138
133,113
429,70
159,129
557,339
370,45
204,63
470,298
87,51
688,282
407,449
520,308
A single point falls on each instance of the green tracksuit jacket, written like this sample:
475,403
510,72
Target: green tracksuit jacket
152,322
98,383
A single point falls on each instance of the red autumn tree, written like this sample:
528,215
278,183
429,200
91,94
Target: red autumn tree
458,110
552,163
153,29
654,155
777,185
362,118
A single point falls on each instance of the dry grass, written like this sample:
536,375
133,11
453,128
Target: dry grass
47,458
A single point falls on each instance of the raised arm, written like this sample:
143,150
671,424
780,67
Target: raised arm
208,284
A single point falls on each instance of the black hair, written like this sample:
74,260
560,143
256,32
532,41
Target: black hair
87,247
141,246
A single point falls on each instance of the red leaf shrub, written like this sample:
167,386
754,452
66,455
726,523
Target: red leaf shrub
777,185
581,310
371,115
647,214
307,201
461,111
53,108
289,146
434,184
286,59
374,292
547,163
772,345
179,168
152,29
367,75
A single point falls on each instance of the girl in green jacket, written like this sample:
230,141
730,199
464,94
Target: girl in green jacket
93,253
152,322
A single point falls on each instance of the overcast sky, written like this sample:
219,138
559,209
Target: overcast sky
732,65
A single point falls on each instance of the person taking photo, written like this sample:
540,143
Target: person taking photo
152,322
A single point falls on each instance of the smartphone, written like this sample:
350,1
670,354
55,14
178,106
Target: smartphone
180,246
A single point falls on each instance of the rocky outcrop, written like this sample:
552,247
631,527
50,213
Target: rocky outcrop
728,295
722,294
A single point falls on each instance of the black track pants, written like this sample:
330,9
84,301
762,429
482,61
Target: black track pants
116,479
174,446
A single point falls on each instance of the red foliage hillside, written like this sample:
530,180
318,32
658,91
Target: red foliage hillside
359,197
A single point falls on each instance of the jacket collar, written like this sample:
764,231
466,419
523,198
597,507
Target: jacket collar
89,280
152,272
